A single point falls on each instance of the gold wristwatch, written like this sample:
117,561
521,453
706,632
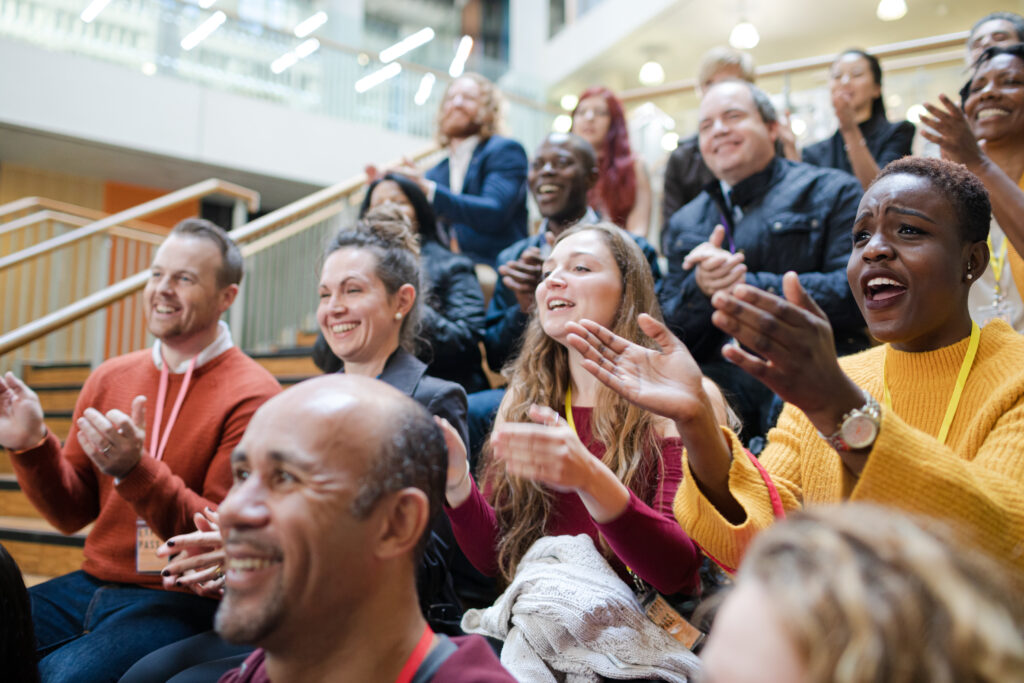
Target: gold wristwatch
859,428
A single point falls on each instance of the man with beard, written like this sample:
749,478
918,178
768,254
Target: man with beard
479,191
335,484
148,448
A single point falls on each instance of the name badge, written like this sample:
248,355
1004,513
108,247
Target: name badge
661,613
146,543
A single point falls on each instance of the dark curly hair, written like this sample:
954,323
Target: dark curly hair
961,187
425,216
987,56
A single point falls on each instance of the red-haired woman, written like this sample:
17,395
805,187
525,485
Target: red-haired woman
623,191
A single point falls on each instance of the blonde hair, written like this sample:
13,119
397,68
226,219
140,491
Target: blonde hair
723,57
491,104
869,595
540,375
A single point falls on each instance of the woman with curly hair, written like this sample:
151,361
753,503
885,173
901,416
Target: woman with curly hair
859,593
568,456
623,191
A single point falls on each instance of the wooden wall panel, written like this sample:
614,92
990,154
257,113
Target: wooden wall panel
17,181
121,196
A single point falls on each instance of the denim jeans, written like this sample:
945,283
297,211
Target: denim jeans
90,631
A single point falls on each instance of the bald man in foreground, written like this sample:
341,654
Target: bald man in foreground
335,484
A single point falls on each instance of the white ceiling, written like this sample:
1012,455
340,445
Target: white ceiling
789,29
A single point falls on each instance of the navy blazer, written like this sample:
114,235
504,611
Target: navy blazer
408,374
490,213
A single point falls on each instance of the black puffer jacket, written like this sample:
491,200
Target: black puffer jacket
794,217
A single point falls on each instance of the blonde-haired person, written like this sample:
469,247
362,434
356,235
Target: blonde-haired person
479,190
568,456
860,593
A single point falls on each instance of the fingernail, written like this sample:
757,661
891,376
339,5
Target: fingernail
177,582
165,573
170,543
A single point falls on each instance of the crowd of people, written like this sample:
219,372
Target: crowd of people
810,407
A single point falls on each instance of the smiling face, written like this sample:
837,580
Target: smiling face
851,75
287,522
182,298
909,264
461,110
559,178
734,140
580,280
388,192
993,32
995,102
356,314
591,120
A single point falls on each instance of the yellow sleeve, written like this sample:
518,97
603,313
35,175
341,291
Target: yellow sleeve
983,496
726,542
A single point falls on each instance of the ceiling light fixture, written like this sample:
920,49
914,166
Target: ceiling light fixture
426,86
891,10
562,123
461,55
378,77
652,73
93,10
569,102
307,26
206,4
744,36
407,44
669,141
203,31
292,57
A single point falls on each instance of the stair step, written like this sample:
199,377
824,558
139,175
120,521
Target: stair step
58,398
5,462
40,549
288,362
13,501
56,374
305,338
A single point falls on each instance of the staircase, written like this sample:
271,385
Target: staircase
41,551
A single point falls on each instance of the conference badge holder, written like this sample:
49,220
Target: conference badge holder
146,543
658,610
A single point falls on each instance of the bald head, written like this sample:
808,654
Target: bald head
574,143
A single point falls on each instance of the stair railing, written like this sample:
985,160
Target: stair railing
278,293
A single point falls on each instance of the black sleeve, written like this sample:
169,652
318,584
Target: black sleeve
898,145
454,329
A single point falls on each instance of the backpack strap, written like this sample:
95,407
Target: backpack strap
444,649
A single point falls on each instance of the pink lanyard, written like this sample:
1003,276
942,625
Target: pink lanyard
161,397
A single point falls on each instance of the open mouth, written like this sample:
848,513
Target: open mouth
559,304
880,289
164,309
547,189
244,565
342,328
990,113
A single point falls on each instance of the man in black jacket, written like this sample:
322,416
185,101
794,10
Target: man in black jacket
762,216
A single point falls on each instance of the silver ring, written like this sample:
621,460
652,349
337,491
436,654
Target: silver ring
105,450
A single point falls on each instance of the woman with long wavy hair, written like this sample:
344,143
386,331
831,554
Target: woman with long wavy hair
567,455
622,194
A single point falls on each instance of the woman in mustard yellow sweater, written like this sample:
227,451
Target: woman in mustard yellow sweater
931,422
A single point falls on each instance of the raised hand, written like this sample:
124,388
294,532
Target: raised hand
666,381
522,277
796,355
949,129
842,103
717,268
114,442
548,451
21,415
198,558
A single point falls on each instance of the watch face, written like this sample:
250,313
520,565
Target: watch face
859,431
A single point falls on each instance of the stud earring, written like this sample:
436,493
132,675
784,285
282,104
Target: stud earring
398,316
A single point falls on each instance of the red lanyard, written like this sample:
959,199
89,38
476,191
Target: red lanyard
412,664
157,445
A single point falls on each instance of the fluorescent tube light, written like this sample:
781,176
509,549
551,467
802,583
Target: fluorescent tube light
93,10
461,55
203,31
307,26
423,92
407,44
378,77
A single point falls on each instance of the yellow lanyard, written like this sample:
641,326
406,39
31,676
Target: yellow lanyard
997,261
568,409
958,389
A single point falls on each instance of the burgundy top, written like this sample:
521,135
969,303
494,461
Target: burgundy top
473,662
646,537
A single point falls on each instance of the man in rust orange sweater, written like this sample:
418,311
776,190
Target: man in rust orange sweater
149,448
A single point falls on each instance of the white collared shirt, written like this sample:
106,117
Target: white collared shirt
459,156
218,346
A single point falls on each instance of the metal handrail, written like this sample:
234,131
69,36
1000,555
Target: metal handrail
252,231
81,218
202,189
906,47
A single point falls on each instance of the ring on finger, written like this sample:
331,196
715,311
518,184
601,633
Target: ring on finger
218,572
105,450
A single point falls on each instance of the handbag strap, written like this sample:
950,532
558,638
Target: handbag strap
444,649
778,510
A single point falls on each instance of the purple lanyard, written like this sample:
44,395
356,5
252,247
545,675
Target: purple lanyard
728,233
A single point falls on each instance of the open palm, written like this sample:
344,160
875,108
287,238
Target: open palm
666,382
21,415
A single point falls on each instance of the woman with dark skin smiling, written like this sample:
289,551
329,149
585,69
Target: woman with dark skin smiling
930,422
986,134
